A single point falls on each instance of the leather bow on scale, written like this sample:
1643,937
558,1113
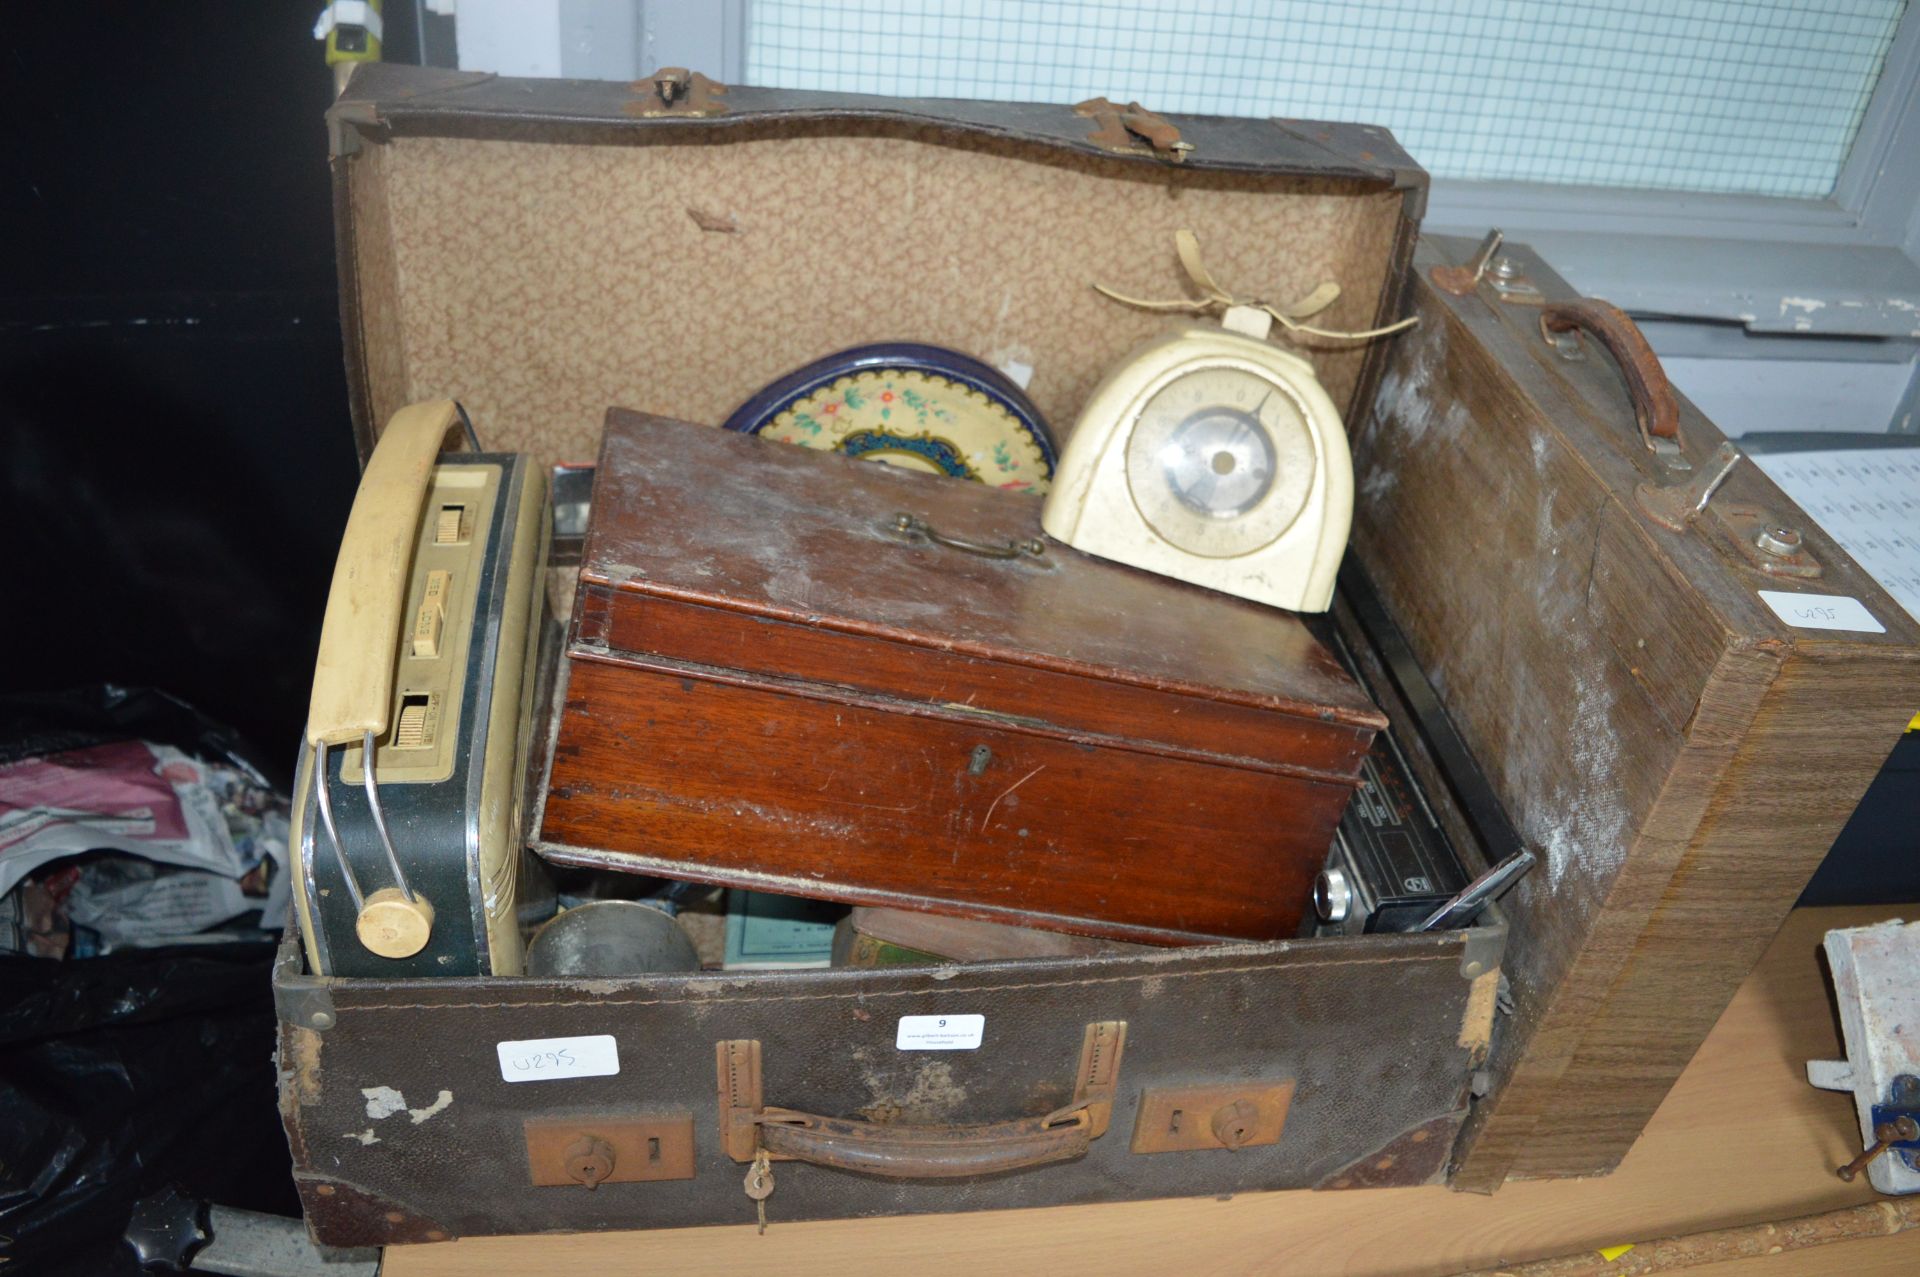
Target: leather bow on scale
1214,298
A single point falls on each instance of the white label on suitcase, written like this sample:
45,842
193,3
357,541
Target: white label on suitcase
940,1032
1822,611
547,1059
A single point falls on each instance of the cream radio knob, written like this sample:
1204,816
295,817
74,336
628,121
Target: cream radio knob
393,926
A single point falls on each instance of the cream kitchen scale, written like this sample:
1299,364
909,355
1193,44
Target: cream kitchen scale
1213,456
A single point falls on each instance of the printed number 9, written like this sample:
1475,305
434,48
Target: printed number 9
943,1024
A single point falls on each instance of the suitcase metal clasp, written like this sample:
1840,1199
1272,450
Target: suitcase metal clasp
1674,506
677,91
1124,128
1461,281
1762,543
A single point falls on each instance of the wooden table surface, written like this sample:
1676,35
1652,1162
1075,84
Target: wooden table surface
1742,1139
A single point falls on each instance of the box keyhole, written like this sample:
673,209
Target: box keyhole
653,1148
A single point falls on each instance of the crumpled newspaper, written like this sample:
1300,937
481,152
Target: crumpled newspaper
135,844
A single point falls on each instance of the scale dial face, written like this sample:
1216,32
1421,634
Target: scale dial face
1220,460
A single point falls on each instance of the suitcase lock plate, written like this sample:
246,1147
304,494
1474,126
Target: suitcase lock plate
591,1151
1229,1116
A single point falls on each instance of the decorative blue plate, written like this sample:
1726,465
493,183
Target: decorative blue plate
918,407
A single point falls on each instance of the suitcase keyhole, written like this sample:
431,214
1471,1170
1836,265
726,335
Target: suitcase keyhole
588,1160
977,762
1233,1125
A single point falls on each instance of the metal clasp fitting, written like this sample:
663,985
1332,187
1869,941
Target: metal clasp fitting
1124,128
1462,280
677,91
1675,506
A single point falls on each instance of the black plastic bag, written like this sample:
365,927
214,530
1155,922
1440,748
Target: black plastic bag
120,1075
123,1074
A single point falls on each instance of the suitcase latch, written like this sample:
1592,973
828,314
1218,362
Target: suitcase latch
1510,283
1126,128
1461,281
1675,506
1762,542
1765,544
677,91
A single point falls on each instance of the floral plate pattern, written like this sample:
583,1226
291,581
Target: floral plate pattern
918,407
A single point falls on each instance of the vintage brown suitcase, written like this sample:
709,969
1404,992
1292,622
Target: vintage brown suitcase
405,1126
545,249
551,248
772,685
1572,561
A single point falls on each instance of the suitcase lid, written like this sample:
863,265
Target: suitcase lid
760,529
542,249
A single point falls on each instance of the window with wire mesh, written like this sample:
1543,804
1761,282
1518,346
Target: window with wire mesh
1759,97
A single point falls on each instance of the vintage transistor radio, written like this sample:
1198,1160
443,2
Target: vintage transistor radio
1391,865
426,662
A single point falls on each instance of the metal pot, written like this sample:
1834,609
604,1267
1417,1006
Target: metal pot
610,938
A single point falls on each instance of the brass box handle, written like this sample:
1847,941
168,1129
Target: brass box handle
913,527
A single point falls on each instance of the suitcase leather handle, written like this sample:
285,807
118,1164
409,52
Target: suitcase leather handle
754,1131
360,636
925,1152
1655,407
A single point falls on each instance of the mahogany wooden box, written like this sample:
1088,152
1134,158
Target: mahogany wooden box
772,686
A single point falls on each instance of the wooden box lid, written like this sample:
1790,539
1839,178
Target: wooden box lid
757,530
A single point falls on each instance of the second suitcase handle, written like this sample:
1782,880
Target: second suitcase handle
1655,406
925,1152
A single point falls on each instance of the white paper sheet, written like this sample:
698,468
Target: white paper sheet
1867,499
